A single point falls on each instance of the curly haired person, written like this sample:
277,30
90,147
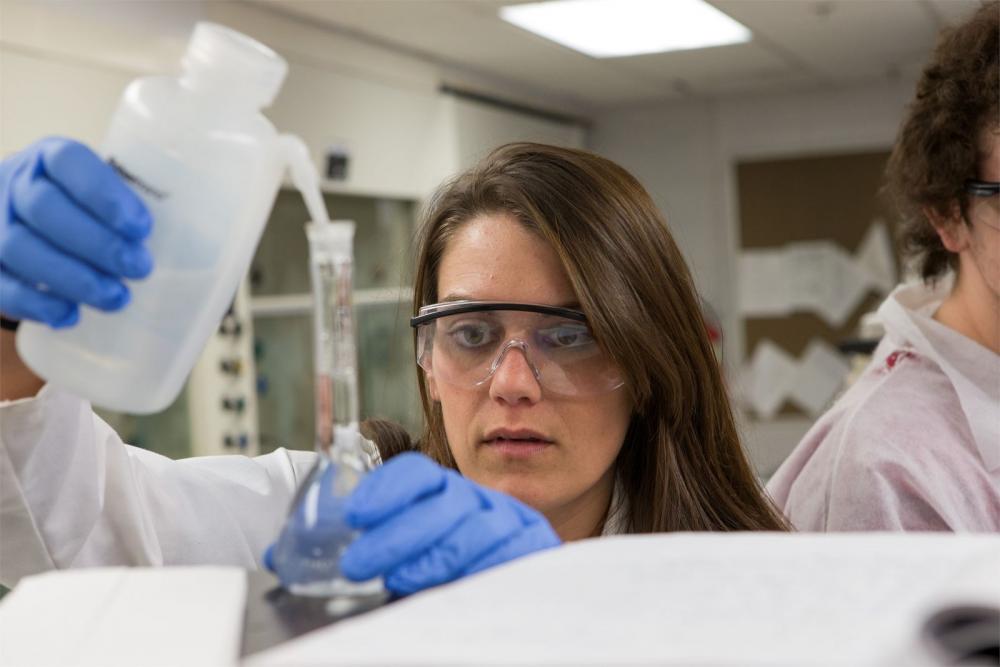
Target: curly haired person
915,443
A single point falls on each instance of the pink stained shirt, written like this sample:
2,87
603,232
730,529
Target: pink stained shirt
914,444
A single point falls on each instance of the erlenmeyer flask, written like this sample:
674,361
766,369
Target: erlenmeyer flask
315,535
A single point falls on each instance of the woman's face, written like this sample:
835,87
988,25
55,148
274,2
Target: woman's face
566,470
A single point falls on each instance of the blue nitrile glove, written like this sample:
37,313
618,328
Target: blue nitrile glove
424,525
70,230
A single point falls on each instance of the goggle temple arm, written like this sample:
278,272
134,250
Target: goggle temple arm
982,188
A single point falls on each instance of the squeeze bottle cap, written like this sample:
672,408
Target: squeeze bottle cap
220,53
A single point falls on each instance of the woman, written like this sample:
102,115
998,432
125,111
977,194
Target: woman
567,376
915,443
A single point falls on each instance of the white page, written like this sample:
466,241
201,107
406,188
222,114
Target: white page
810,270
820,374
671,599
848,289
165,616
769,379
763,284
825,280
875,257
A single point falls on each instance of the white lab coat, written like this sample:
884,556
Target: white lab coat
73,494
914,444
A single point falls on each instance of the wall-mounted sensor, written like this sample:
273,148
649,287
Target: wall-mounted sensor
337,159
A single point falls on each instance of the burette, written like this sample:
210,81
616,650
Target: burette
331,271
335,354
307,554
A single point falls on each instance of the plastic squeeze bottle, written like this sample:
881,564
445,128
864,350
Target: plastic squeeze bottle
208,164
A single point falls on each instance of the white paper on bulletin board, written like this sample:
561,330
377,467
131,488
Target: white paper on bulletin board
768,379
821,373
810,382
816,276
875,257
763,287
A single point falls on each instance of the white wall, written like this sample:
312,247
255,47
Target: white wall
685,154
480,128
63,66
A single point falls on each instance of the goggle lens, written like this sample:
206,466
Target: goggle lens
466,349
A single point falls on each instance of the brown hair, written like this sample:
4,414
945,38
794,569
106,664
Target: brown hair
936,150
681,465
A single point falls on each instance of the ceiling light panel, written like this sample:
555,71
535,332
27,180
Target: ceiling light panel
617,28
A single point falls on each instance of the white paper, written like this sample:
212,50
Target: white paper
668,599
876,258
763,281
809,270
770,379
816,276
819,376
848,289
824,279
154,617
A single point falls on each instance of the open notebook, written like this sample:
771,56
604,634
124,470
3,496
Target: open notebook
692,599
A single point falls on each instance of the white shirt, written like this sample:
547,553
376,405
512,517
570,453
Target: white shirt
914,444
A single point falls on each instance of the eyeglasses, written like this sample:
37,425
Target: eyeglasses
982,188
988,192
463,343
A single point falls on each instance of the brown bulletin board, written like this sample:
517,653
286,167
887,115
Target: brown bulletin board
829,197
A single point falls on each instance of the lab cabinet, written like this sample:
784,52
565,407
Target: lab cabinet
281,308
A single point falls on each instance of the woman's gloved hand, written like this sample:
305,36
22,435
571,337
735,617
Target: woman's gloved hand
423,525
70,230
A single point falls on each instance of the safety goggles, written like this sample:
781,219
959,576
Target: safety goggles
463,343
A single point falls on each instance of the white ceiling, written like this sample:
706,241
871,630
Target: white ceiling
796,45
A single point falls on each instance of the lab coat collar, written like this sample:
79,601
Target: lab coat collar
972,369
